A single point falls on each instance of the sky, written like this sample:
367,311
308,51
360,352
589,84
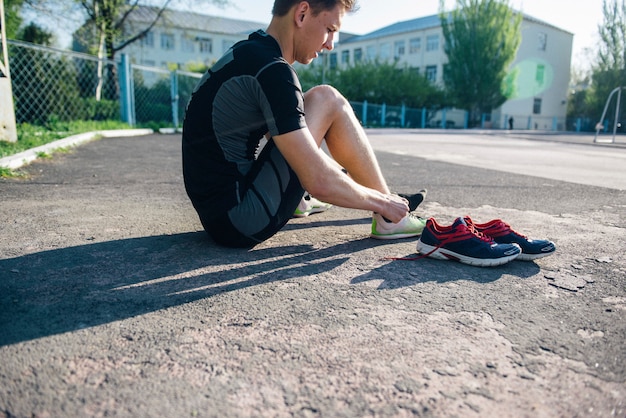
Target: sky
579,17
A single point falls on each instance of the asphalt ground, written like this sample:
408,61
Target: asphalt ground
115,303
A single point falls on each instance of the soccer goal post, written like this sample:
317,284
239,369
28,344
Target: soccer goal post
600,124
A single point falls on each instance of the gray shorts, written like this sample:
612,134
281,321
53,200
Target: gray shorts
269,195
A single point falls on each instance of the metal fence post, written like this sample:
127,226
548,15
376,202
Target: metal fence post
364,112
423,117
174,95
126,93
383,115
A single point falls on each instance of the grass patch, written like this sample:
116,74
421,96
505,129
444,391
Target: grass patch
7,172
31,136
43,155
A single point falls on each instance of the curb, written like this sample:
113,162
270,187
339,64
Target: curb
28,156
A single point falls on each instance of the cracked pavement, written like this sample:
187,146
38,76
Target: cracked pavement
115,303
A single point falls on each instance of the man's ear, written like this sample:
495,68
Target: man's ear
301,11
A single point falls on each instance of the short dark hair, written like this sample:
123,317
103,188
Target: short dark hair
282,7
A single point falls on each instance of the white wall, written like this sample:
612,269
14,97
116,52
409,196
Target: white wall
552,91
154,54
551,88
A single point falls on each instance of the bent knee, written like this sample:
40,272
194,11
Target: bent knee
323,89
326,95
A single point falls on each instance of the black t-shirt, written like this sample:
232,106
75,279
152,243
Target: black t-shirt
250,91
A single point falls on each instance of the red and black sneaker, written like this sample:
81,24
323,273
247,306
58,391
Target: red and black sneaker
502,233
462,243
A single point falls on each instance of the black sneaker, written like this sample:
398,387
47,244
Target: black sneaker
463,244
501,232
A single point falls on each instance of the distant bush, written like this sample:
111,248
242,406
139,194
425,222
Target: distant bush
101,110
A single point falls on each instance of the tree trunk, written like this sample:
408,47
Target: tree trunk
114,85
100,66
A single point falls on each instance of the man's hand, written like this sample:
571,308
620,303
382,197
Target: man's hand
396,208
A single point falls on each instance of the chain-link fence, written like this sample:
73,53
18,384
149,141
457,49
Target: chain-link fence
50,84
160,96
58,85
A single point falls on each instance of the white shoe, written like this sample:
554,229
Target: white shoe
309,205
409,226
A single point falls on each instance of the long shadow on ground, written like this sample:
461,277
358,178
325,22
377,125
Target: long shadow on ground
62,290
67,289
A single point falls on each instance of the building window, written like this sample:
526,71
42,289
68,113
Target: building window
167,41
370,53
415,45
543,41
345,57
333,60
186,44
537,106
385,51
431,73
358,55
540,74
400,48
432,43
206,45
148,40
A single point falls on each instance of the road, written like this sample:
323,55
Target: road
115,303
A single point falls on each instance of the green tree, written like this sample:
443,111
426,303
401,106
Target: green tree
481,41
377,82
578,95
12,17
609,70
35,34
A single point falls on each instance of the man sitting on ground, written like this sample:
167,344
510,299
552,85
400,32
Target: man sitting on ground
253,92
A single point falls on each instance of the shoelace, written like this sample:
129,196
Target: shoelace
462,232
472,228
498,229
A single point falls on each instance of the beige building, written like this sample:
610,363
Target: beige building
543,60
180,38
542,63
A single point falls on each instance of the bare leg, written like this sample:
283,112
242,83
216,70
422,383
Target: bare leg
329,116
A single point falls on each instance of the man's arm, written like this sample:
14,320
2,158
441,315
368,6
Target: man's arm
322,178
